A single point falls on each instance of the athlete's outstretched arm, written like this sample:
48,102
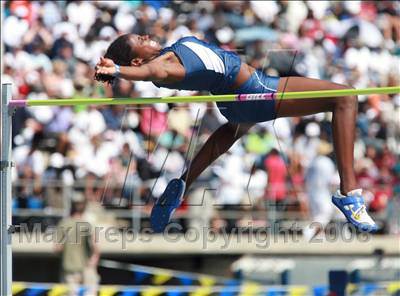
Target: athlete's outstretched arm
156,70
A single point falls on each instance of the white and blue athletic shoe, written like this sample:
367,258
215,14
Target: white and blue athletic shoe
353,207
166,205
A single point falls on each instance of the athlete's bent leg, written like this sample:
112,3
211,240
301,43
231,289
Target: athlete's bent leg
344,109
216,145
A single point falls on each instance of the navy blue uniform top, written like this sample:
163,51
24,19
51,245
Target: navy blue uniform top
208,67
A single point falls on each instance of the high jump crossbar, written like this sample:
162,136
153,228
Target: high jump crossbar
207,98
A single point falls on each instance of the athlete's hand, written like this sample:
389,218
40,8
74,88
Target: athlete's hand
104,62
105,66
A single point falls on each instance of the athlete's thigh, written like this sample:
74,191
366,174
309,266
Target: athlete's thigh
302,107
294,83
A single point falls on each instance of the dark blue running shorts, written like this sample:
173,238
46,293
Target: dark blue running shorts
252,111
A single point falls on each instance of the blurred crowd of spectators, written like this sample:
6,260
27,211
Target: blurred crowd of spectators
51,47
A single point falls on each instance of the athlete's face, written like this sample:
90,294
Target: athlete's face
144,47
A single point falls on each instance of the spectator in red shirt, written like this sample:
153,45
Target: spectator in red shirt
276,170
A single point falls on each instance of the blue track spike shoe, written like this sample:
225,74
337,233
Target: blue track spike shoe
353,207
166,205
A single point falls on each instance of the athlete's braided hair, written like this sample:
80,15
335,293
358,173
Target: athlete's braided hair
121,53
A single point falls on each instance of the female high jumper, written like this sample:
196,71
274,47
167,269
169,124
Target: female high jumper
192,64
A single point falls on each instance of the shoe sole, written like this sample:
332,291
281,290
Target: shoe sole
162,212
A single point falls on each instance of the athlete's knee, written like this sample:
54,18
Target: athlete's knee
346,102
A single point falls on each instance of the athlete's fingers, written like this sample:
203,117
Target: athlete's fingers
105,70
100,70
102,62
99,64
108,62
